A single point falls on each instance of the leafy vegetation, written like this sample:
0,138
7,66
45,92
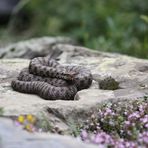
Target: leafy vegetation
115,26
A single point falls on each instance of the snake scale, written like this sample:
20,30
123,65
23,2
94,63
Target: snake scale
51,80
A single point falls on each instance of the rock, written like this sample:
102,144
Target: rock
33,47
14,137
131,74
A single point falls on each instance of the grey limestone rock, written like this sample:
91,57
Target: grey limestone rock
131,73
32,48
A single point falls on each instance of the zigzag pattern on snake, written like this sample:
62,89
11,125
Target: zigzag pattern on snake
52,81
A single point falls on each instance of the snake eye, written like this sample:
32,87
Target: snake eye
67,76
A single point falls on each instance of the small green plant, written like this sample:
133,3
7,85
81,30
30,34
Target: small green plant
74,128
43,124
1,111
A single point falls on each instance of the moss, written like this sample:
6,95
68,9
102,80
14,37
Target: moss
109,83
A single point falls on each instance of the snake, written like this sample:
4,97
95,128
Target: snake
51,80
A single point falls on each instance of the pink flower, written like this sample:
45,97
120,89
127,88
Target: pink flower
127,123
108,111
134,116
84,135
146,125
103,138
143,138
144,119
141,108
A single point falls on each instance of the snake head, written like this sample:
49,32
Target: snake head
69,75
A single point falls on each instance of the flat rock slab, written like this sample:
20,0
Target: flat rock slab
131,73
14,137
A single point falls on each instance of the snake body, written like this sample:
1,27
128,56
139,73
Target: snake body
52,81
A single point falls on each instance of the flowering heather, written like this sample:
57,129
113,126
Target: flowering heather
119,125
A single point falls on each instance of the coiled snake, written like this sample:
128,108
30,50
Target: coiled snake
52,81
